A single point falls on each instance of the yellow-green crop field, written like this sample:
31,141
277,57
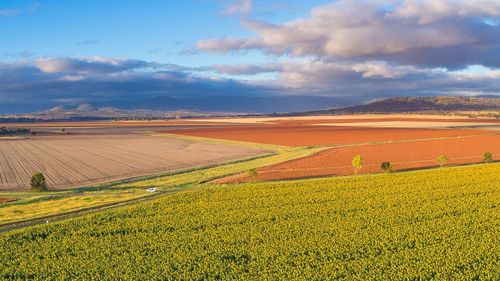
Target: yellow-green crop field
433,224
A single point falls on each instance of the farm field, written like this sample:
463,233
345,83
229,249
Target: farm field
432,224
399,122
111,124
407,142
416,124
77,160
402,155
22,207
109,127
314,135
348,118
341,130
104,190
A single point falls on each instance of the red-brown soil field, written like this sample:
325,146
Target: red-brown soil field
403,156
313,135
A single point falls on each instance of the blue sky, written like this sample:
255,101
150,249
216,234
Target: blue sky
54,51
154,30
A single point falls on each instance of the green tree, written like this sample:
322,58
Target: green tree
387,167
38,182
487,157
442,160
357,163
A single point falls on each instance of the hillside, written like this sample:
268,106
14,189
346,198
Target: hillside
419,104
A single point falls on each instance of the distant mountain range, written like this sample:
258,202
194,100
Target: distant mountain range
167,107
418,104
227,104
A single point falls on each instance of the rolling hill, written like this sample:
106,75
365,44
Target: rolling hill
418,104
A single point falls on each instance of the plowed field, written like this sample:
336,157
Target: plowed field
71,161
312,135
403,156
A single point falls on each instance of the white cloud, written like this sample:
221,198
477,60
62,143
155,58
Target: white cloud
427,11
89,65
308,69
226,44
382,69
246,69
475,72
238,7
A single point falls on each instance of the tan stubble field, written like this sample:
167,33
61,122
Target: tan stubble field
77,160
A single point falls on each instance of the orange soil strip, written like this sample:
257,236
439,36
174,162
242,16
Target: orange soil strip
7,200
310,135
408,155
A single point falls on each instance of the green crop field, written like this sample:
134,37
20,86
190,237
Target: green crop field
440,224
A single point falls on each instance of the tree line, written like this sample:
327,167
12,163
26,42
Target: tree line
441,160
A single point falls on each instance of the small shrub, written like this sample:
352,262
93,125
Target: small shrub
487,157
442,160
387,167
38,182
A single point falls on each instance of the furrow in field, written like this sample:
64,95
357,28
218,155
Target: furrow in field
19,175
6,175
54,164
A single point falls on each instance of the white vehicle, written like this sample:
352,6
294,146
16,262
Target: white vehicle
151,189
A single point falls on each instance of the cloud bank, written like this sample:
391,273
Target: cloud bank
377,48
447,33
64,80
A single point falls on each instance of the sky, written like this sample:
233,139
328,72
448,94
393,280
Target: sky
82,51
